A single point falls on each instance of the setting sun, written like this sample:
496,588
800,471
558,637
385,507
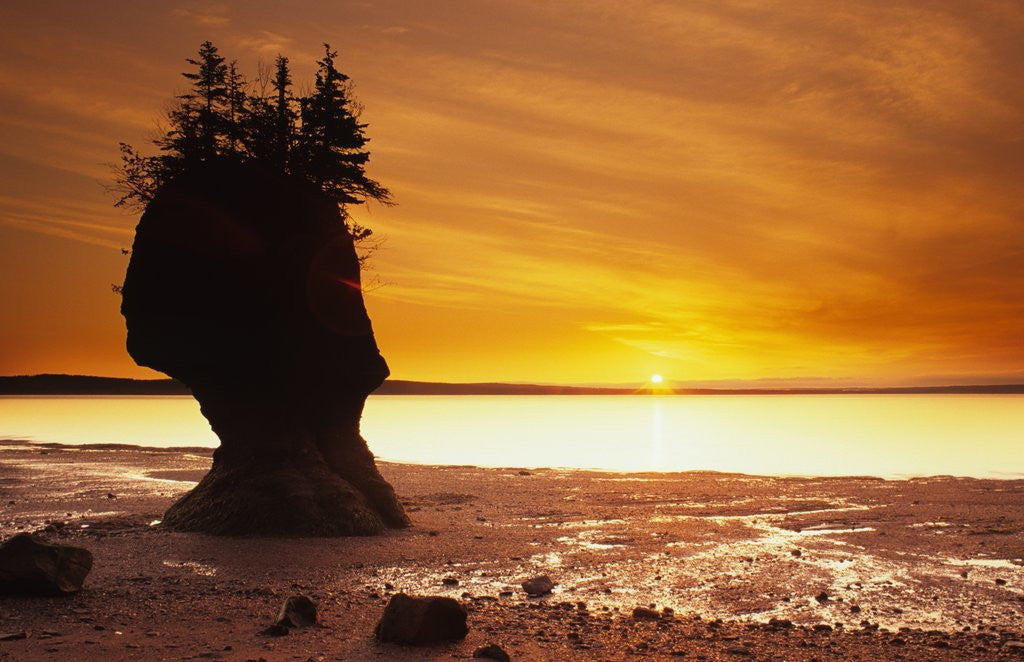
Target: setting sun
657,379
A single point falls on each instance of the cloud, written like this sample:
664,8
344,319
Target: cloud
209,15
264,42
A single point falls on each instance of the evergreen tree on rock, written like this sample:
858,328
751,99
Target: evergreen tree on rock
330,144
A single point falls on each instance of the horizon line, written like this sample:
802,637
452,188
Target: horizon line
70,384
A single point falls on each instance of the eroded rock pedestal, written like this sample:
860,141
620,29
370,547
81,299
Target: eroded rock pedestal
244,285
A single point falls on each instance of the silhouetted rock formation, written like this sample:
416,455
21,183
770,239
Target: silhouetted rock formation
244,285
32,567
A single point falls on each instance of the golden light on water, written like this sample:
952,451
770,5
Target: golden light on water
889,436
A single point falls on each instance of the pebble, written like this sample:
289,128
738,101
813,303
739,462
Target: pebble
275,630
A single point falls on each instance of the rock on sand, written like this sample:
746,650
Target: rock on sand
31,567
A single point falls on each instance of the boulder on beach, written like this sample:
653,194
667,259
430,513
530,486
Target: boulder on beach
491,652
421,620
244,284
646,614
298,611
538,586
31,567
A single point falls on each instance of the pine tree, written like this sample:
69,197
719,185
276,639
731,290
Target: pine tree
284,114
331,140
235,117
204,105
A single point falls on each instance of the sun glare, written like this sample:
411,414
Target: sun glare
657,379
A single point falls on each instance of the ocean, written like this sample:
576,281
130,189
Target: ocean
891,436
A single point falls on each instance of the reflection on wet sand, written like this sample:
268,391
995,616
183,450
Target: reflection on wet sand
935,553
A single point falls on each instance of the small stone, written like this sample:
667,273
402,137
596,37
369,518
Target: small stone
524,473
1000,582
275,630
422,620
538,586
14,636
111,495
646,614
797,553
780,624
822,627
822,597
32,567
855,609
492,652
450,581
298,611
1014,646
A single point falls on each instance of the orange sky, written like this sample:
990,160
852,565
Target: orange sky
589,191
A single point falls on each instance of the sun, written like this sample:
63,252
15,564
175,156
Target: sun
657,379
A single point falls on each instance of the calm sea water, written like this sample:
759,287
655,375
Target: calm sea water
881,435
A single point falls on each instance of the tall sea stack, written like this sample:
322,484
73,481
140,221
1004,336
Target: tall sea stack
244,285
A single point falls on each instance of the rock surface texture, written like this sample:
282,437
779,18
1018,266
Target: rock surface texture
419,620
245,286
31,567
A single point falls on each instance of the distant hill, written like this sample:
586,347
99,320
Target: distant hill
87,385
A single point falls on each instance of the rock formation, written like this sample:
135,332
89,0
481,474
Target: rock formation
244,285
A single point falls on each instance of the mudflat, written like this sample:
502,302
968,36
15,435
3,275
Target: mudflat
723,566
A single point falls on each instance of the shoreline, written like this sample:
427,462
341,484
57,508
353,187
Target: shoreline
655,475
63,384
708,546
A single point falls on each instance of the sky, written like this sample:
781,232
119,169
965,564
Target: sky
591,191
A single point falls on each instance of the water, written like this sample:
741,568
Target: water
827,435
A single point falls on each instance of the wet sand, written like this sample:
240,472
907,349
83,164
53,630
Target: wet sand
862,568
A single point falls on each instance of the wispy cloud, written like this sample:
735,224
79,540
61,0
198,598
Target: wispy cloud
727,189
210,15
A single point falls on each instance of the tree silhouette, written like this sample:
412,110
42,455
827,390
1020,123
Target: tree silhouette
200,123
330,144
284,114
236,102
318,137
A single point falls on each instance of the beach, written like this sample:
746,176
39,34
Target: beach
736,566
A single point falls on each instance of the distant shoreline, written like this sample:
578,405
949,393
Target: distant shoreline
54,384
